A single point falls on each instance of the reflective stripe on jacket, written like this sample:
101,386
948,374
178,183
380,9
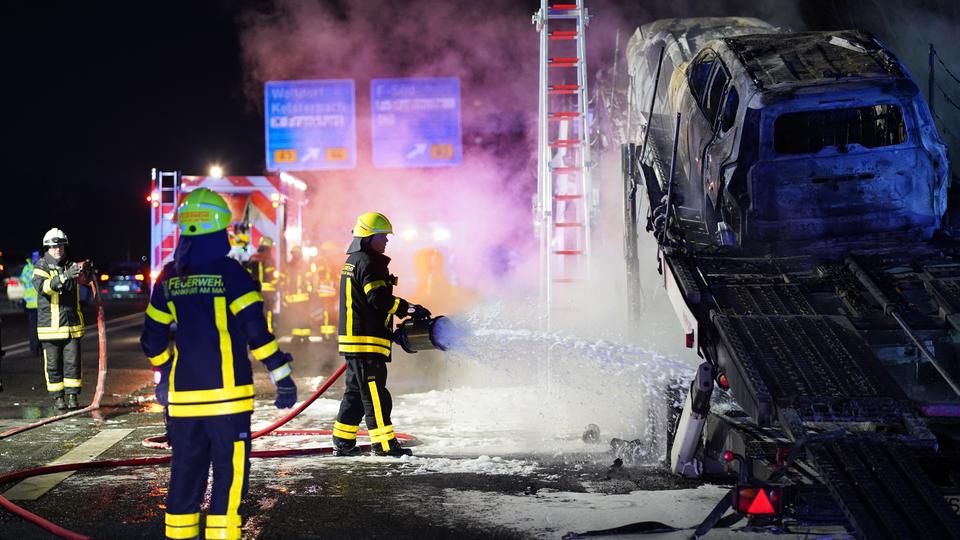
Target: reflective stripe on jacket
219,313
367,305
58,301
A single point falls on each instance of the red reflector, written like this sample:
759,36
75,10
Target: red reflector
757,501
761,504
723,382
728,456
690,340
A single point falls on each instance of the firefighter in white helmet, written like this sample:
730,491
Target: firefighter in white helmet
59,319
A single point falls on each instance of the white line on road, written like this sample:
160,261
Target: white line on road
112,324
32,489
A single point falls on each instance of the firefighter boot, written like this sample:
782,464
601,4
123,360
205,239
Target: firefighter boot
395,450
72,402
59,403
345,448
343,451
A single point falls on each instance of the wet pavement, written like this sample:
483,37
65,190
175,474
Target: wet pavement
449,489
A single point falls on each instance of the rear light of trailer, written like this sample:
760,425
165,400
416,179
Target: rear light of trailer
758,501
139,277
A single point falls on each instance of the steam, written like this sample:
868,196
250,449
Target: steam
596,367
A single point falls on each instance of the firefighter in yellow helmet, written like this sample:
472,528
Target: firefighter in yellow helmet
207,383
367,309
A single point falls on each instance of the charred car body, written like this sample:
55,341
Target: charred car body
796,186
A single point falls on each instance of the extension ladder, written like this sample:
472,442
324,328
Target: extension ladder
563,205
163,231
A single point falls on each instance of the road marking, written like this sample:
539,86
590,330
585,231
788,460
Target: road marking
32,489
88,330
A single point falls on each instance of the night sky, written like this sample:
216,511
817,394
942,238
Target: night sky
97,93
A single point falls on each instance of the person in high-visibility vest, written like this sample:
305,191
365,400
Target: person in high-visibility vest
206,384
30,301
367,309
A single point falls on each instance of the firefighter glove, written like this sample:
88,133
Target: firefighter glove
416,311
72,271
286,393
161,376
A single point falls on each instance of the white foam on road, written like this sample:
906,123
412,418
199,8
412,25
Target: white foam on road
551,514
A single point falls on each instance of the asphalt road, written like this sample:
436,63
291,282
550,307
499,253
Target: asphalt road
301,497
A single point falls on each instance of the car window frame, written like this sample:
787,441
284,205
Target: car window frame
718,65
690,72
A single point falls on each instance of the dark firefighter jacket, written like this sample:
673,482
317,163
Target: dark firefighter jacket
263,272
218,312
367,304
58,301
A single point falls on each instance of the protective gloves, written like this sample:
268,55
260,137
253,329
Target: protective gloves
161,377
72,271
286,393
286,388
416,311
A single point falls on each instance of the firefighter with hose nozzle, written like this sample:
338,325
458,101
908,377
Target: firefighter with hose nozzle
59,318
209,392
367,309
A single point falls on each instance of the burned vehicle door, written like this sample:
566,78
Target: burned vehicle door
696,129
720,152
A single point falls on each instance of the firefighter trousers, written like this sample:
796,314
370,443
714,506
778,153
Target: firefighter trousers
197,442
367,398
61,365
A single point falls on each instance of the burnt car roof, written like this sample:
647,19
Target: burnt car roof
776,60
693,32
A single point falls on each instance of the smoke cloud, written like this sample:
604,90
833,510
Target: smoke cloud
594,367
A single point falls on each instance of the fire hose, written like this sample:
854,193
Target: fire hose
160,442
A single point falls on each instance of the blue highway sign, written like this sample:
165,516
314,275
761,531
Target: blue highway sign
416,122
310,125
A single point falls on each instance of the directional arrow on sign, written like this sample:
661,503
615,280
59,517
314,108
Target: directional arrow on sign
418,150
311,155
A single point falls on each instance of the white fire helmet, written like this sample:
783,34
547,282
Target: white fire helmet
55,237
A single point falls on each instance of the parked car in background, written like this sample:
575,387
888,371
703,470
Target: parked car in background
124,280
12,284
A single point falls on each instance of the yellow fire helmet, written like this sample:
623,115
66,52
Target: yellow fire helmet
372,223
203,212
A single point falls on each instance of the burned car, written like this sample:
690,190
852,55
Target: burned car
799,136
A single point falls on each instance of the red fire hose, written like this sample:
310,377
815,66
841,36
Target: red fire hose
158,442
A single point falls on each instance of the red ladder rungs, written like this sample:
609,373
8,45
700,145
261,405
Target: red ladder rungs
564,88
568,224
566,170
562,115
567,197
563,6
562,35
565,143
567,252
563,61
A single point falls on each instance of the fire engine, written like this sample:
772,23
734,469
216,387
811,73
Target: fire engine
263,207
